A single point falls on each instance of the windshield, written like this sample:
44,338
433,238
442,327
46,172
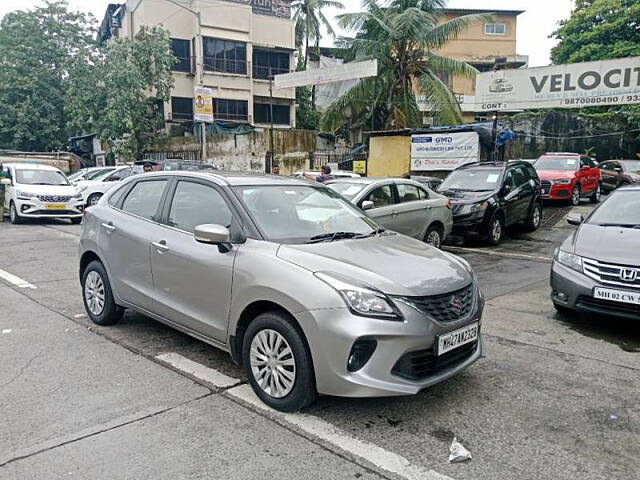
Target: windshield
40,177
346,189
621,209
472,180
631,165
556,163
298,213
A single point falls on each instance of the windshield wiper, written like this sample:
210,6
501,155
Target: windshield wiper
371,233
621,225
330,237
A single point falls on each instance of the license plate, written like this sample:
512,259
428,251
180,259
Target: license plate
55,206
457,338
622,296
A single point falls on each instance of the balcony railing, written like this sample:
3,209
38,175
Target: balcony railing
184,64
263,72
231,117
213,64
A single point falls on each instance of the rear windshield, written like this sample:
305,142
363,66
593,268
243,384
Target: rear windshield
347,189
472,180
556,163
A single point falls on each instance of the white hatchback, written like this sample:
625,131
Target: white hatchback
40,191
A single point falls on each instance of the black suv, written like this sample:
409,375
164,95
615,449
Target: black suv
489,196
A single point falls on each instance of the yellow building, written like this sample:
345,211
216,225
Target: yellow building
229,46
481,45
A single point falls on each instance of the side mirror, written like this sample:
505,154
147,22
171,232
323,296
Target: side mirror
5,181
214,235
367,205
575,218
507,189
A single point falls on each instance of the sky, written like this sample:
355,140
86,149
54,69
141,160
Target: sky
534,26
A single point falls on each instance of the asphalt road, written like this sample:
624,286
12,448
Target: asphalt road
554,398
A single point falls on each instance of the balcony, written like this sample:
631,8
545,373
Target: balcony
261,72
221,65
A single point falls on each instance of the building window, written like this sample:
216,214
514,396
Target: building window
495,28
236,110
225,56
181,108
182,51
265,61
262,114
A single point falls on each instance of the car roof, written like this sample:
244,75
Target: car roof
233,178
374,180
31,166
564,154
493,164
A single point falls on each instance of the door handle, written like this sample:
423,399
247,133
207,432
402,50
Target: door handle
109,227
161,246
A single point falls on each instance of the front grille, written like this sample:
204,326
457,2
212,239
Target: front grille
607,307
445,308
54,198
53,212
423,363
610,274
545,184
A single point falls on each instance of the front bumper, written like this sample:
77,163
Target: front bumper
334,331
470,225
35,208
578,289
560,191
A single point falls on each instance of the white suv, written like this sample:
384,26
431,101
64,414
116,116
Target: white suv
93,189
40,191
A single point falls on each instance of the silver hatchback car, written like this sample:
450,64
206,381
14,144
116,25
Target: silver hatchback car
297,284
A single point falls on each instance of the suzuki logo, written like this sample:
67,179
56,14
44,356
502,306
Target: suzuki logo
456,304
628,274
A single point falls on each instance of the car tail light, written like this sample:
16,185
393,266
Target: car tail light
84,212
449,204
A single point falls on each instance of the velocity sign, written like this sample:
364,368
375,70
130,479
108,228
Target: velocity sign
608,82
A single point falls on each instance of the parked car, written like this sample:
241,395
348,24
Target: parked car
617,173
335,173
177,164
432,183
404,206
489,196
40,191
597,269
92,190
500,85
89,173
296,283
569,177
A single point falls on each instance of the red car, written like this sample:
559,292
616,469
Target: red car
569,177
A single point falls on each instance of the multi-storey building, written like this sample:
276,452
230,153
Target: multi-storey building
230,46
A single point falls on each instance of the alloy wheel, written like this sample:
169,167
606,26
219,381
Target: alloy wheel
272,363
94,292
575,197
12,213
598,193
93,201
536,216
434,239
496,230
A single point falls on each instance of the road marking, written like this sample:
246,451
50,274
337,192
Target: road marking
329,433
6,330
209,375
498,254
79,315
17,281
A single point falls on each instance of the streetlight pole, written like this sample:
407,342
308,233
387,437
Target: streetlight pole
269,163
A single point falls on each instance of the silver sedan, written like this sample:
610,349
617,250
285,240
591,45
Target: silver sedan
404,206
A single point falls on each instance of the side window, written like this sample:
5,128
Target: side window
144,198
195,204
114,197
509,179
593,163
424,195
519,177
407,193
531,172
118,175
381,196
584,162
607,166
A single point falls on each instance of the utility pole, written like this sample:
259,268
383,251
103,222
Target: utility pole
269,162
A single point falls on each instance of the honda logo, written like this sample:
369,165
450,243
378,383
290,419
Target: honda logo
628,274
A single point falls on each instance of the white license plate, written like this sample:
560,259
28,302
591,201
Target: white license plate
457,338
622,296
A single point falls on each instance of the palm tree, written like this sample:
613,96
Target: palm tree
403,36
308,18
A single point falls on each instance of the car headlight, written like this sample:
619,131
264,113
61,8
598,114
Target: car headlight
562,181
77,195
569,260
474,207
25,195
362,299
82,188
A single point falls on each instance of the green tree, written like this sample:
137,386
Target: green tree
307,116
403,36
119,93
39,53
309,18
599,30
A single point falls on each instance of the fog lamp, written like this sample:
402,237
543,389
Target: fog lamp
360,354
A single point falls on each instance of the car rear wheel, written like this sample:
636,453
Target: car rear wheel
93,199
597,194
98,297
278,362
13,214
575,196
496,228
533,222
433,236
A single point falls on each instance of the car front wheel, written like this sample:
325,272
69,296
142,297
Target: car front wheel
496,228
93,199
575,196
13,214
278,362
98,297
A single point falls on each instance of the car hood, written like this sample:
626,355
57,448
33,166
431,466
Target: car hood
607,244
392,263
48,189
457,196
555,174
